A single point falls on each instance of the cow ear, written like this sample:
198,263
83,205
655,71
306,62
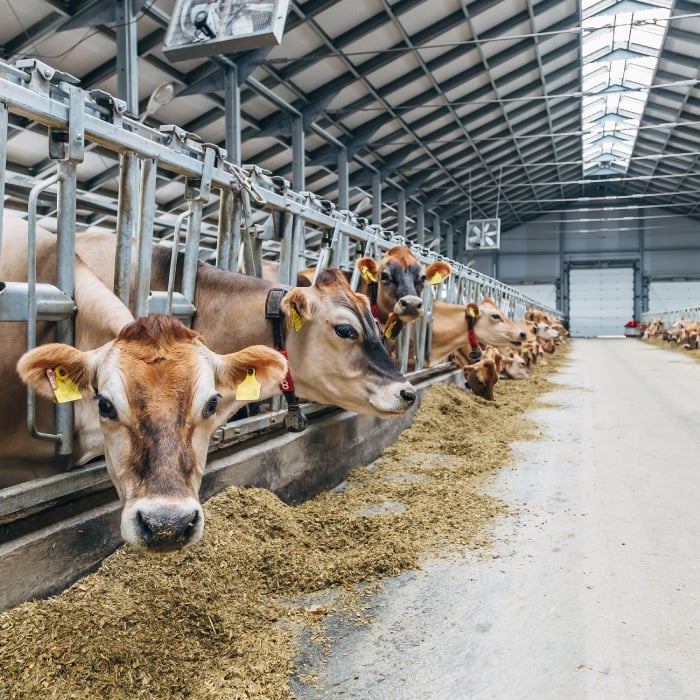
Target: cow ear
295,306
473,309
438,271
56,371
265,365
368,269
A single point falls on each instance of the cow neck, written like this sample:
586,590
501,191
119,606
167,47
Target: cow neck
295,421
475,353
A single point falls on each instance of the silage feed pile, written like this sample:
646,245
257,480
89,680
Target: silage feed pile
215,620
659,342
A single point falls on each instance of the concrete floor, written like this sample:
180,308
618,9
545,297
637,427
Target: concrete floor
594,588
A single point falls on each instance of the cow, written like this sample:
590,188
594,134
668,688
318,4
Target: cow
481,375
335,352
516,366
100,319
160,393
395,284
451,330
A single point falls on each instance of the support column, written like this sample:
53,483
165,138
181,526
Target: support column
449,240
420,225
436,231
376,199
232,126
127,56
401,213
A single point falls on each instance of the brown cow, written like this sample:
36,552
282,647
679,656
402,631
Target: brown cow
335,354
160,393
395,283
481,376
451,328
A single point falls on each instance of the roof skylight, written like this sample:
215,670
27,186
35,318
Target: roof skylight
620,50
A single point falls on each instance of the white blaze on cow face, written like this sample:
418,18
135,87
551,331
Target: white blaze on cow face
336,355
160,394
493,327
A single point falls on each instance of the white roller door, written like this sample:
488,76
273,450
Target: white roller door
601,301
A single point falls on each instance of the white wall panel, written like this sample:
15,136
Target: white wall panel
545,294
672,295
601,301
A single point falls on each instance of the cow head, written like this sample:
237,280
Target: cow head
400,279
482,377
160,394
516,366
336,355
492,326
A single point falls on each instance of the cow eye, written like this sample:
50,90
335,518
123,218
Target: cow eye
496,317
423,278
211,406
106,408
385,277
345,331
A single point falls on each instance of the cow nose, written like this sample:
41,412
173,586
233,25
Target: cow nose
411,303
167,528
408,395
523,336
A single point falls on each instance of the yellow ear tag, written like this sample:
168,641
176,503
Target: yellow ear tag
471,312
389,330
436,278
64,388
369,277
296,319
249,388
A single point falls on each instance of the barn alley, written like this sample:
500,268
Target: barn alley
349,349
592,591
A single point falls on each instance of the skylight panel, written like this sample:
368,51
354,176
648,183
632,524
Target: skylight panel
620,51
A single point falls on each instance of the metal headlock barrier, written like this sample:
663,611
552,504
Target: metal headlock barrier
668,316
236,196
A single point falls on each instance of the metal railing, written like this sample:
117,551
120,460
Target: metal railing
691,313
238,197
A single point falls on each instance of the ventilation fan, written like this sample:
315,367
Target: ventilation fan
483,234
207,27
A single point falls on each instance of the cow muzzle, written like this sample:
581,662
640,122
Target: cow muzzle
409,307
395,399
162,524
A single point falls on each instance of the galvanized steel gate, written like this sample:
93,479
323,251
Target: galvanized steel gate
76,119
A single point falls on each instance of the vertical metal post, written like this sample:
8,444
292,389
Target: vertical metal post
342,246
420,225
3,160
227,203
197,196
147,210
401,213
127,56
293,245
233,205
32,302
436,231
232,107
376,199
449,240
343,179
127,216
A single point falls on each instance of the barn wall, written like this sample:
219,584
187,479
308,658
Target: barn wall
665,247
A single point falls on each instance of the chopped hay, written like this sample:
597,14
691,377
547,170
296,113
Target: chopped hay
220,619
659,342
